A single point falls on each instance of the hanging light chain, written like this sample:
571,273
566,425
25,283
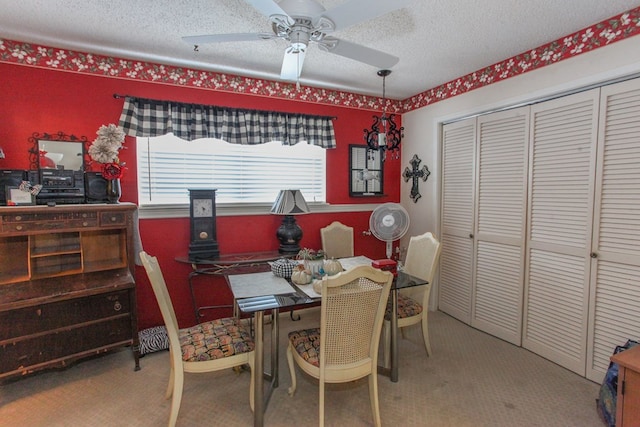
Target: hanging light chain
384,103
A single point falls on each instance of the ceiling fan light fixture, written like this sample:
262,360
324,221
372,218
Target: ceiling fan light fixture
384,134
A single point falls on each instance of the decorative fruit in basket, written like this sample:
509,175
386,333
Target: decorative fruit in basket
300,276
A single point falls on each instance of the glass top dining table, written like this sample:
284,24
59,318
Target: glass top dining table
274,302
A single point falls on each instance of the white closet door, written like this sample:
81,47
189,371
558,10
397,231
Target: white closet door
501,175
615,276
561,192
458,141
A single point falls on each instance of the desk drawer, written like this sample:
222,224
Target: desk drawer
63,343
22,222
49,216
18,227
113,218
47,317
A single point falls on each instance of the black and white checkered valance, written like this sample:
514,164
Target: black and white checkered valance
147,117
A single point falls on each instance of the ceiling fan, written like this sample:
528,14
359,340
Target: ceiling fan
300,22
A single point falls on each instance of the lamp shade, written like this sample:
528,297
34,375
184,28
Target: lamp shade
290,202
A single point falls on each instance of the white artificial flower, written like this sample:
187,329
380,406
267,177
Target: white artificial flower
102,153
112,133
106,146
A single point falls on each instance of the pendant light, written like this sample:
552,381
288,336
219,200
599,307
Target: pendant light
384,134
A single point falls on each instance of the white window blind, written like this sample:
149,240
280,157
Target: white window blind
168,166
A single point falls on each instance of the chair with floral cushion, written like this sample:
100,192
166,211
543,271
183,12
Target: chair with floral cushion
413,303
345,346
206,347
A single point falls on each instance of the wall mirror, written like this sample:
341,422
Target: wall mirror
365,169
57,151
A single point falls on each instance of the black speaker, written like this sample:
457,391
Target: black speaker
12,177
95,187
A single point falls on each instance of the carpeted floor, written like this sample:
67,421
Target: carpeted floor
472,379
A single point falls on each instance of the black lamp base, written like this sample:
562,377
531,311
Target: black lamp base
289,234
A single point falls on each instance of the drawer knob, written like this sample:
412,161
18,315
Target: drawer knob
117,306
85,223
114,219
18,218
19,227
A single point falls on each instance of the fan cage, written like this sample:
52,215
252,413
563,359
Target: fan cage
393,232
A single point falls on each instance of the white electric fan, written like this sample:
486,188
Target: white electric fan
389,222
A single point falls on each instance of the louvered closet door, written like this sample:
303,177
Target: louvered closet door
458,141
615,273
501,174
561,191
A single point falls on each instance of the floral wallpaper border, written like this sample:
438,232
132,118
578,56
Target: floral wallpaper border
595,36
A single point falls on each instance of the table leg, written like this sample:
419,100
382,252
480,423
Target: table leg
275,336
258,390
198,309
394,335
260,400
193,295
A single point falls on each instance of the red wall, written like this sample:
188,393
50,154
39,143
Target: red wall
38,100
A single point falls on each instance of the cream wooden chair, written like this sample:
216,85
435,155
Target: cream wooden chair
351,315
206,347
413,304
337,240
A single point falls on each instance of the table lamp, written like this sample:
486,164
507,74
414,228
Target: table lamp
289,203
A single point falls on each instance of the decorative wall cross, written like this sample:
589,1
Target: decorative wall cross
415,174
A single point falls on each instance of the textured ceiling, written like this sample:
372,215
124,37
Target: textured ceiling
436,40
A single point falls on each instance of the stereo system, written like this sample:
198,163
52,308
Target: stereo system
58,185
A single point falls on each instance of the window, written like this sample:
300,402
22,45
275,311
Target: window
168,166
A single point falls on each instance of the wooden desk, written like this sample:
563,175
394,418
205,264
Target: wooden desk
628,400
240,263
67,289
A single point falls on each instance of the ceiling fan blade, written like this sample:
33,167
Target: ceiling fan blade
292,64
354,11
358,52
268,8
220,38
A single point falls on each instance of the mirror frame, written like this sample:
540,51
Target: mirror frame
34,151
361,159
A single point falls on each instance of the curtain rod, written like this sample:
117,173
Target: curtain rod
118,96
